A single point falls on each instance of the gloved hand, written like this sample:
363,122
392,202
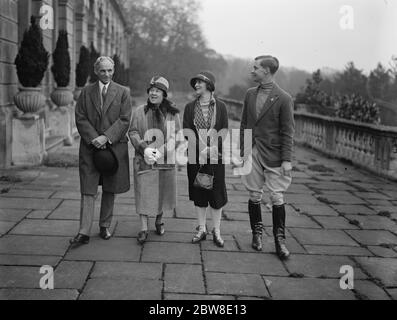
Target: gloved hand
149,156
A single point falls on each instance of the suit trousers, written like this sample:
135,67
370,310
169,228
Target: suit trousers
263,176
87,210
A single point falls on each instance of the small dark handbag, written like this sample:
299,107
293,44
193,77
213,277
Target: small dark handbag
204,180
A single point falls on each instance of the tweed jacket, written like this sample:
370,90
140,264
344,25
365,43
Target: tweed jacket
272,130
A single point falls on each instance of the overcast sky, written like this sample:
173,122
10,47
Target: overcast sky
306,34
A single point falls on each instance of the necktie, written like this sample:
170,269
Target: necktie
103,95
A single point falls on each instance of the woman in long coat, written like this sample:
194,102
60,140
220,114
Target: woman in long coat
203,114
153,134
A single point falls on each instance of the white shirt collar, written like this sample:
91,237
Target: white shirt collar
101,85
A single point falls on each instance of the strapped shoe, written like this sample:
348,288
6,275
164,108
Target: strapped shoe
200,236
216,237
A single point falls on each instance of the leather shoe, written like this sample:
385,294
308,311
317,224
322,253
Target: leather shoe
200,236
160,228
142,237
104,233
217,239
80,239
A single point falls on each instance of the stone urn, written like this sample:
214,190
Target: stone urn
30,100
77,92
62,96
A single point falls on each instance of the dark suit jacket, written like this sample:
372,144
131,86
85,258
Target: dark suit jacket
273,129
113,121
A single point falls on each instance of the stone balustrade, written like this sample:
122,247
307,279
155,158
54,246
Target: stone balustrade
372,147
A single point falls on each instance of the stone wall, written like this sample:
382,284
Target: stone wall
8,77
99,21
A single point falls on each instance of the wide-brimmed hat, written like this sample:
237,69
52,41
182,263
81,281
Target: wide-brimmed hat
105,161
159,83
205,76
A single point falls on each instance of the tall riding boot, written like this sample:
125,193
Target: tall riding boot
279,231
257,228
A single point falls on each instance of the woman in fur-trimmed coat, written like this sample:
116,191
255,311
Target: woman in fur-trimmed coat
154,163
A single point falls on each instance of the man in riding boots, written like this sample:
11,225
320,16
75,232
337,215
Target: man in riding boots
268,112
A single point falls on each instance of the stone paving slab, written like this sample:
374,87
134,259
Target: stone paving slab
13,215
5,227
115,249
322,237
184,279
20,277
122,289
233,262
33,245
236,284
342,200
282,288
38,214
392,293
321,266
302,199
46,228
177,297
338,250
316,210
22,193
390,209
71,274
372,237
32,203
353,209
38,294
335,222
370,290
127,270
332,186
372,196
29,260
374,222
383,252
381,268
168,252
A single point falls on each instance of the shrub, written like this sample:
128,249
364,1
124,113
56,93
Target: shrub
61,57
94,55
355,107
83,68
118,70
32,58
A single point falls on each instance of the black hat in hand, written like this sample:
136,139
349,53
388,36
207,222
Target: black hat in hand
105,161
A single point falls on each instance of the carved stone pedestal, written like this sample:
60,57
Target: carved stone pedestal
28,144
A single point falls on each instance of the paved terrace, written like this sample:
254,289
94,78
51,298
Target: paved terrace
336,215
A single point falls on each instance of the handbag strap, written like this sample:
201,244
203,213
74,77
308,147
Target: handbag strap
203,165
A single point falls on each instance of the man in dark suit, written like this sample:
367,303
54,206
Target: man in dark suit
268,112
103,114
